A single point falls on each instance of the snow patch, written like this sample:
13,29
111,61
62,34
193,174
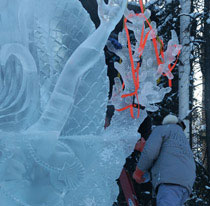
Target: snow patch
207,187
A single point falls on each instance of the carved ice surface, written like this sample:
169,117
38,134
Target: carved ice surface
170,55
52,102
149,93
19,88
68,27
53,73
38,169
84,57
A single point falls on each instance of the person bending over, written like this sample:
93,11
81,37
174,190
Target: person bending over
168,154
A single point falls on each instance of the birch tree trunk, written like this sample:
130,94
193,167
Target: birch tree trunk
206,76
184,67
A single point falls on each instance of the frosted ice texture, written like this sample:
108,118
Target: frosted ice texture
84,57
51,37
149,92
65,37
19,88
170,54
103,165
35,169
38,167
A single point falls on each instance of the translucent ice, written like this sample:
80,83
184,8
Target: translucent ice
170,54
83,58
35,174
54,69
58,64
20,93
148,92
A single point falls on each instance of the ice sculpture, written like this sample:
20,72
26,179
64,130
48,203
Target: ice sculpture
37,165
150,70
20,94
83,58
50,73
67,27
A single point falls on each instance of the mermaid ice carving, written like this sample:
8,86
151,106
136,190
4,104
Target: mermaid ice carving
36,167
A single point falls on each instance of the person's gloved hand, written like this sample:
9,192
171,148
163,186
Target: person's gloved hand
140,145
138,176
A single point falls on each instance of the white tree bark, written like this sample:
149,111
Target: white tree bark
184,67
